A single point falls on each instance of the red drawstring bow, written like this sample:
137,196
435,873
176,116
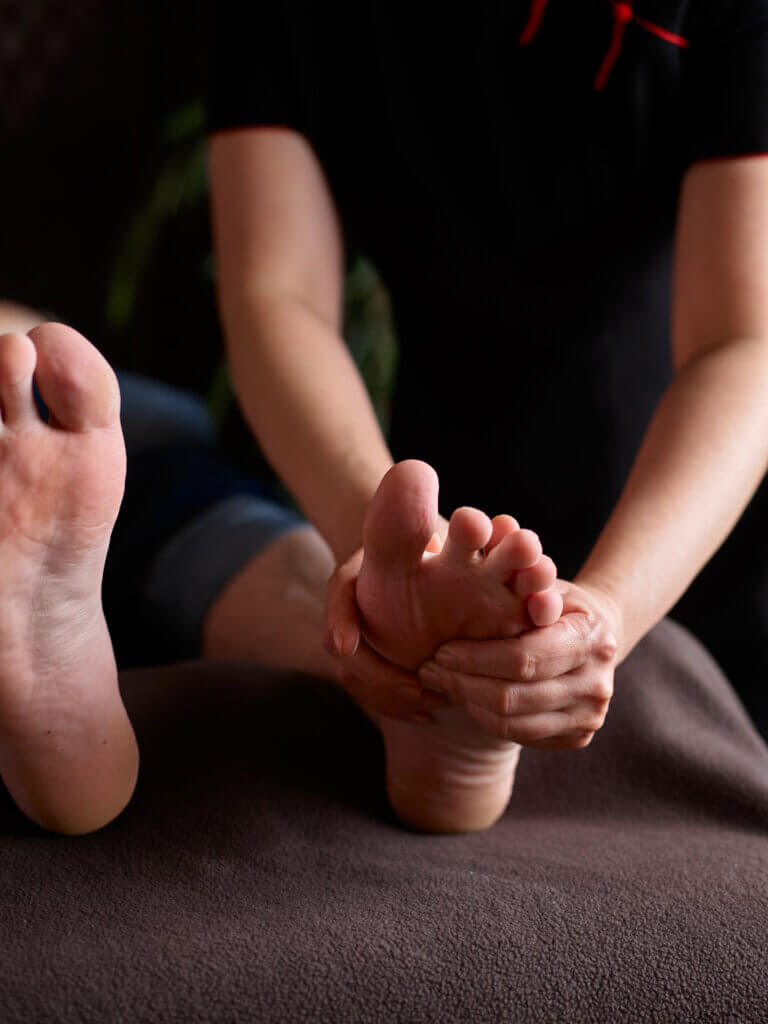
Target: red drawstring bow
622,15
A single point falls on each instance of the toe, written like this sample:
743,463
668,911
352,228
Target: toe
17,364
545,608
538,577
468,531
502,527
75,380
402,516
518,551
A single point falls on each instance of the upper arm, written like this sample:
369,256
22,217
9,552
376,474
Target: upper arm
276,230
721,268
721,258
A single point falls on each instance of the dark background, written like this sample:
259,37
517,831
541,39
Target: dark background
93,99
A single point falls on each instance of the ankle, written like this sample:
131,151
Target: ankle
447,809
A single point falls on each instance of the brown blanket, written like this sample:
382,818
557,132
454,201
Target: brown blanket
258,874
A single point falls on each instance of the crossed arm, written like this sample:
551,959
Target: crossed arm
280,268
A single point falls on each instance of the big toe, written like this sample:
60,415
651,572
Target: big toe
402,516
74,379
17,364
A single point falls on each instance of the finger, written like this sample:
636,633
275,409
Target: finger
570,741
540,654
505,698
342,625
526,729
376,682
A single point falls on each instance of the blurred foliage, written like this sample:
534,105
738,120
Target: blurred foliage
180,189
180,185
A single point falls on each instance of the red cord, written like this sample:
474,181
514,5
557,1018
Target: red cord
662,33
623,13
534,21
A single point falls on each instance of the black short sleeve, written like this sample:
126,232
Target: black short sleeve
260,64
725,79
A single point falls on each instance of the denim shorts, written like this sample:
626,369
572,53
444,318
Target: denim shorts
190,519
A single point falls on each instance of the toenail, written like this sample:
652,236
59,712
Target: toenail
447,660
430,671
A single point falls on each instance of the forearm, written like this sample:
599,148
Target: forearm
702,458
14,317
306,403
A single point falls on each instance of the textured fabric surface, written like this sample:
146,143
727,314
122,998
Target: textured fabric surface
259,876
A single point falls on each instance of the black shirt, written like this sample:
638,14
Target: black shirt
513,170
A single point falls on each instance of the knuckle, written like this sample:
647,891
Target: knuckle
580,741
585,624
525,666
504,728
596,718
606,648
602,689
504,701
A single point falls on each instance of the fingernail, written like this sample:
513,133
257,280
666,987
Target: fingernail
342,644
338,641
446,659
408,692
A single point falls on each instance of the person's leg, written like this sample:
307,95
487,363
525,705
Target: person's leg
68,754
286,580
189,525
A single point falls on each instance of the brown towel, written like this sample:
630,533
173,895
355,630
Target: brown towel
258,874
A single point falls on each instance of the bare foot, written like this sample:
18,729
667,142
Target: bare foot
67,751
451,776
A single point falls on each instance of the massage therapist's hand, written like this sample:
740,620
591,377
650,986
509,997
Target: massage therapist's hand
549,688
375,683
